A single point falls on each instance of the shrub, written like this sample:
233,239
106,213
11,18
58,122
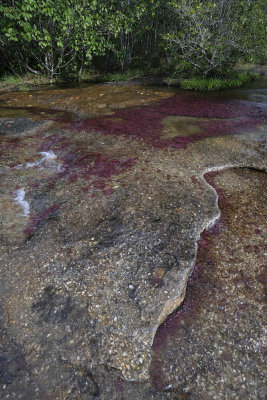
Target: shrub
209,84
211,36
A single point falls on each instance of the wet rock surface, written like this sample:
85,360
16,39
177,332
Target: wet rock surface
99,232
90,101
213,346
19,126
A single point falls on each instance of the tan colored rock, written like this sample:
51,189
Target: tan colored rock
105,252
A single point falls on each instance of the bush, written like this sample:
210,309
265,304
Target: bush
209,37
211,84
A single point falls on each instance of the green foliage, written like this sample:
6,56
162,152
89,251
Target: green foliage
131,73
188,37
22,83
57,35
11,80
211,84
123,76
211,36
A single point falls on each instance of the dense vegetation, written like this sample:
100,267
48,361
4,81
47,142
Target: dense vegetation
186,38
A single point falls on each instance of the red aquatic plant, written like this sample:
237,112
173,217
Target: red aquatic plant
221,118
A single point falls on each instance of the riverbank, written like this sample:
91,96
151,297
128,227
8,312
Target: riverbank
13,83
29,81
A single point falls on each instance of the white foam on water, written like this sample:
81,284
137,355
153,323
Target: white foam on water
60,168
19,197
47,156
213,221
47,160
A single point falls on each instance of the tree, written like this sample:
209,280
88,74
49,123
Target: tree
52,35
210,36
140,25
204,37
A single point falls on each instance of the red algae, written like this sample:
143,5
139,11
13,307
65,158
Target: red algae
197,182
10,144
193,300
35,221
93,165
77,163
197,291
208,285
146,122
119,384
190,307
258,231
50,142
209,178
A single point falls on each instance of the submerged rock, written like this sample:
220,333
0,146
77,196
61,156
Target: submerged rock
213,346
109,240
92,100
19,126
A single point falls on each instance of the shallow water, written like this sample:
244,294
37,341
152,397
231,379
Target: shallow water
217,336
176,120
102,201
82,127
